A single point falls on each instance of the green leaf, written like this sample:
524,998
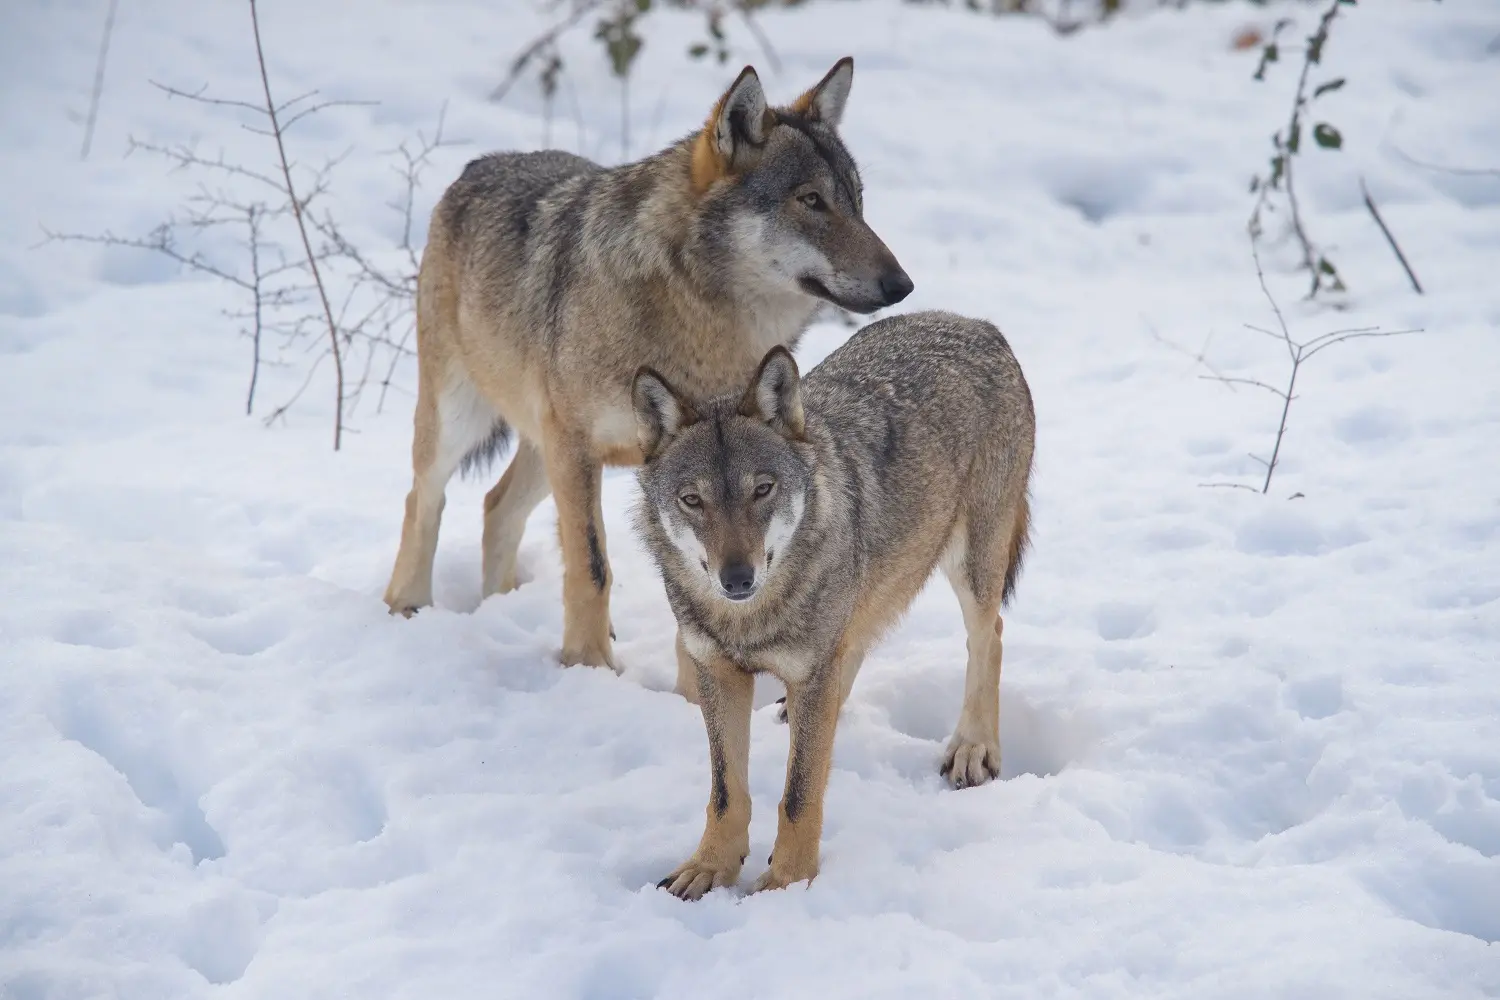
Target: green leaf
643,5
698,50
1327,136
1326,267
1324,88
1296,138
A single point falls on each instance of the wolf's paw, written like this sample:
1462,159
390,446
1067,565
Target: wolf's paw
779,876
691,879
595,657
967,763
405,611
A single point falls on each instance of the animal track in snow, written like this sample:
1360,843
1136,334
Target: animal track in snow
149,775
1118,621
221,938
92,627
244,634
1316,697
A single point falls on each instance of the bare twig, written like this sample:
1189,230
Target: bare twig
547,38
252,221
1227,486
1232,382
1443,168
1298,353
98,92
761,39
1395,247
312,262
1322,273
201,96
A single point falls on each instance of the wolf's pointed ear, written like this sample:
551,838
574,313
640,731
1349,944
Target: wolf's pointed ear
825,102
775,394
660,414
734,133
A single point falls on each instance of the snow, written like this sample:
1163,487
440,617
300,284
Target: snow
1251,744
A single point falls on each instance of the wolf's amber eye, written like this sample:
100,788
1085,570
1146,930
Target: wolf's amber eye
691,500
763,490
814,201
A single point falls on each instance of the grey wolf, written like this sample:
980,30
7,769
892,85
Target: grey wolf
547,280
794,522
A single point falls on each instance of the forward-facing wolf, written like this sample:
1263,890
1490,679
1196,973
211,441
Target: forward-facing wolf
547,281
795,523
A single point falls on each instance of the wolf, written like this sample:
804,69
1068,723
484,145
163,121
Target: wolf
547,280
794,522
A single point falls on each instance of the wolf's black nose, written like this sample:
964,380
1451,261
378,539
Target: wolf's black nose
895,286
738,580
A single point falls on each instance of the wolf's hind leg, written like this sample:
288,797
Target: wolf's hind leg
449,424
975,566
506,508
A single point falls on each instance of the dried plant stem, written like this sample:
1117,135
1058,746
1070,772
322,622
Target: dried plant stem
1384,229
98,92
312,258
1298,353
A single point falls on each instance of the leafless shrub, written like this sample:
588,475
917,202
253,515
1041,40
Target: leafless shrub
304,282
1298,354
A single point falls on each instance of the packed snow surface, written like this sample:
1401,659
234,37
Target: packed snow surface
1251,743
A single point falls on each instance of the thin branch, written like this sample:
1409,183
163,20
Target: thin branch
1395,247
548,37
252,220
321,107
1442,168
1355,336
1227,486
1201,357
1260,276
185,156
761,39
200,95
98,92
312,263
160,241
281,411
1229,381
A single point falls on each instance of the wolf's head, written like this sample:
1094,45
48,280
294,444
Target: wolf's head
789,196
727,481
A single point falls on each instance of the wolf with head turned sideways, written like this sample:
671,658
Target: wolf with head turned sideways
548,281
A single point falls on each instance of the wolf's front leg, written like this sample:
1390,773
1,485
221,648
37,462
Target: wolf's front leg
575,475
726,694
812,713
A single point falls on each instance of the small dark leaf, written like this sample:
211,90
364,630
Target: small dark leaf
1268,55
698,50
643,5
1326,267
1296,139
1327,136
1324,88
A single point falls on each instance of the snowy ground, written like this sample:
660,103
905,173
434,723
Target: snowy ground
1252,744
